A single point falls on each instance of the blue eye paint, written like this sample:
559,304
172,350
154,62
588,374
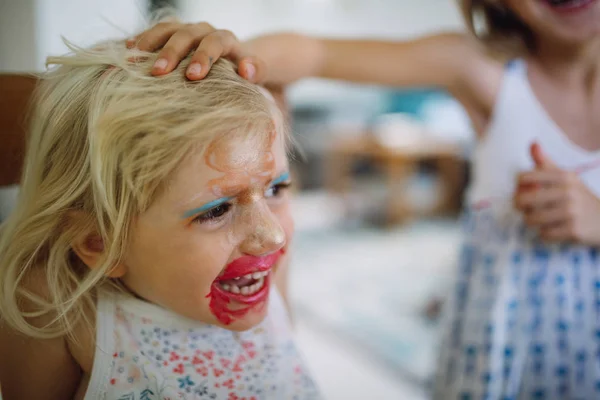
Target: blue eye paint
282,178
207,206
215,203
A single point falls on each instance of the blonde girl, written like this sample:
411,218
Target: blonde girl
141,259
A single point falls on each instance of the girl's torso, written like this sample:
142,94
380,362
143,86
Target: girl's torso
518,120
144,352
523,321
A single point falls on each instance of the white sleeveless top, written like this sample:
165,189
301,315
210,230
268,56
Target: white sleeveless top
518,120
145,352
523,320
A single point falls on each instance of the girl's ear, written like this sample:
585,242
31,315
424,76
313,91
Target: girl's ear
89,247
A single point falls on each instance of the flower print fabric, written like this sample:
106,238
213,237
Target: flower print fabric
145,352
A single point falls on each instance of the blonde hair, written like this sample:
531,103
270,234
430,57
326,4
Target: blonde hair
503,31
103,139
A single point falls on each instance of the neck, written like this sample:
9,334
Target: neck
568,58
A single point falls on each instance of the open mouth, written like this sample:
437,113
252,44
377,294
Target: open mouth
249,289
246,280
569,5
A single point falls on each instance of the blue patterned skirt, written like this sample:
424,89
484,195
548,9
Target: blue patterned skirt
523,321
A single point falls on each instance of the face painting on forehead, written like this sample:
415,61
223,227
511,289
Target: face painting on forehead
240,168
246,170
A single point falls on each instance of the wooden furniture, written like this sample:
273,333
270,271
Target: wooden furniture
399,164
15,93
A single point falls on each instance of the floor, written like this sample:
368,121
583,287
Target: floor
342,372
359,293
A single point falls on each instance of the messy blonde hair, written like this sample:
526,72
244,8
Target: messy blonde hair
104,137
502,30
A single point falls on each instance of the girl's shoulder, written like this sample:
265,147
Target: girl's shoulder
478,74
41,366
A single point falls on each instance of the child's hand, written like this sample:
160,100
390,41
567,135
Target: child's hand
176,40
557,203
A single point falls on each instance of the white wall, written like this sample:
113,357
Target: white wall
17,35
30,30
364,18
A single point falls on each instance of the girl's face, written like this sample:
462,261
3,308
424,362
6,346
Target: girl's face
565,21
210,243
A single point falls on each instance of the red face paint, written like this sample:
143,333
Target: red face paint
220,298
238,174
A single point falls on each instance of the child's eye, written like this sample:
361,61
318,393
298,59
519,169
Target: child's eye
276,190
213,214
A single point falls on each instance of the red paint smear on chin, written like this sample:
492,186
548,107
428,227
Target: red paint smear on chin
219,304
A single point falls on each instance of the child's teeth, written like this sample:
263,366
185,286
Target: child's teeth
258,285
248,289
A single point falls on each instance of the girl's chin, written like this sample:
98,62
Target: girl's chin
248,321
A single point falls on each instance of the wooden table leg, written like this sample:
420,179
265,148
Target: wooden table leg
450,171
339,172
398,172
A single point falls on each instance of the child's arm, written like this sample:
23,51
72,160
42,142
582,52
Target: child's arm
36,369
43,369
444,60
15,93
453,61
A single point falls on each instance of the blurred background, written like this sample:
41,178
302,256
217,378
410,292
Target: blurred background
380,174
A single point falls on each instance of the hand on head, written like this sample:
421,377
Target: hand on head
175,40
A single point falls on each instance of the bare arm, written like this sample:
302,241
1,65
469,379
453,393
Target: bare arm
36,369
440,60
444,60
41,369
15,93
452,61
